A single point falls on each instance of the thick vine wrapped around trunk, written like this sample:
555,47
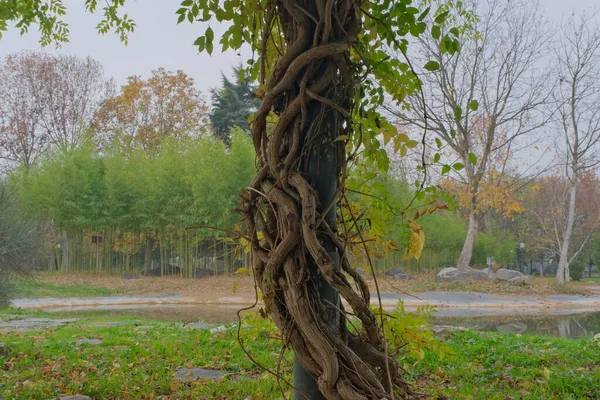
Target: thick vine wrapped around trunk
310,91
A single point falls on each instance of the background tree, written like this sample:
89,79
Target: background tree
481,101
232,104
146,112
577,117
46,101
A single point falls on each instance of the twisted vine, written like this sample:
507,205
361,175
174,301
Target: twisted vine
310,91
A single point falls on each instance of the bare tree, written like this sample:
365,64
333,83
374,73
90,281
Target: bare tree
577,118
47,100
21,137
482,101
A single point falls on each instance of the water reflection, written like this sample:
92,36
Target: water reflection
566,326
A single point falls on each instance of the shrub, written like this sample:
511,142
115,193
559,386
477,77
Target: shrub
577,268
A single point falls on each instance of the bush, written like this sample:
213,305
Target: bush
20,248
576,269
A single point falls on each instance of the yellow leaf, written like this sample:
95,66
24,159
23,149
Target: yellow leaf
341,137
416,242
235,285
546,373
241,271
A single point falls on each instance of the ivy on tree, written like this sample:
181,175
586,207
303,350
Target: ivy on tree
323,72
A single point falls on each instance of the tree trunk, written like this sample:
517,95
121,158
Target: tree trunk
562,273
64,266
467,251
148,253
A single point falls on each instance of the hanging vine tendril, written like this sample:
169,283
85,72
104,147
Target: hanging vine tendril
310,91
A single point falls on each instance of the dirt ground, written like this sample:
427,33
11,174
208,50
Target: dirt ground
209,289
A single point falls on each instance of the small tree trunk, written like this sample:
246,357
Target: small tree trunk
467,250
562,273
64,266
148,253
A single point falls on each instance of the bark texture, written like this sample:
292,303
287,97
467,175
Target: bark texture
310,91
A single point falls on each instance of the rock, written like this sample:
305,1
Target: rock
402,277
361,271
596,338
200,273
199,325
89,341
198,374
507,274
453,275
218,329
74,397
518,280
128,277
395,271
478,275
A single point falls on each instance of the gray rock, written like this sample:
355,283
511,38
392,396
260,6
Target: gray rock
199,325
218,329
200,273
128,276
452,275
596,338
478,275
395,271
198,374
461,276
74,397
402,277
507,274
89,341
518,280
361,271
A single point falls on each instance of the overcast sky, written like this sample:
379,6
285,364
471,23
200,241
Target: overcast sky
159,42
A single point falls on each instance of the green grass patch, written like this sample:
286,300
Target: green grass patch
137,361
33,288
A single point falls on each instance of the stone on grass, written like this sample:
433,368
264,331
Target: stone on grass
200,273
73,397
518,280
596,338
398,274
128,276
89,341
199,325
507,274
198,374
453,275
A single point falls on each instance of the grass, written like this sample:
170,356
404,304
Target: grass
135,361
35,288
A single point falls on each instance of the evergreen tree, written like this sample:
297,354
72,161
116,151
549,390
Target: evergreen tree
233,103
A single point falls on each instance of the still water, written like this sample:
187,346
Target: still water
562,325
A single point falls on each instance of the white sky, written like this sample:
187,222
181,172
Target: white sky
159,42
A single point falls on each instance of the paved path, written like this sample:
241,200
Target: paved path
447,303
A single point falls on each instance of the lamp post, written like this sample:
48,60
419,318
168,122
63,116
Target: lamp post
521,255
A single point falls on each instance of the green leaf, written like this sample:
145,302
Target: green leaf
432,66
436,157
210,35
436,32
474,105
458,166
441,18
458,113
424,14
438,143
473,158
411,144
445,169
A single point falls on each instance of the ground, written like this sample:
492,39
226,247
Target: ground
208,289
131,358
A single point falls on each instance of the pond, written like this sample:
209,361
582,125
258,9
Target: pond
563,323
